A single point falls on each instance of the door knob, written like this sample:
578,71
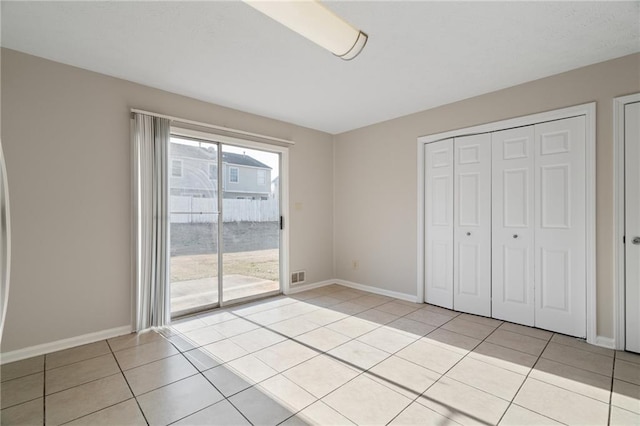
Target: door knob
469,233
515,235
636,241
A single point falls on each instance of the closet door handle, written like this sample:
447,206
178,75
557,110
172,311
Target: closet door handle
515,235
636,241
468,234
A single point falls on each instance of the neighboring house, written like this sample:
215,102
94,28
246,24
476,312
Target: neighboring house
193,171
245,177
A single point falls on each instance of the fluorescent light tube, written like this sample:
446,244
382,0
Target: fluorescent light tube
312,20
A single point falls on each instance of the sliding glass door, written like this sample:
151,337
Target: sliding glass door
193,226
251,222
224,213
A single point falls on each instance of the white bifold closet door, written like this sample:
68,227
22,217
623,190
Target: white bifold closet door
505,228
539,226
439,223
632,225
472,225
513,225
560,226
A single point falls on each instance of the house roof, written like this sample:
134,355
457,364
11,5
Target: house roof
242,160
189,151
181,150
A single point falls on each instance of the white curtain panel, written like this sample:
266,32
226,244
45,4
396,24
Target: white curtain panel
151,145
5,241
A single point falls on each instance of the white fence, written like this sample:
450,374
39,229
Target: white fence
198,210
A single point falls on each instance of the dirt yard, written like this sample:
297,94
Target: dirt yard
259,264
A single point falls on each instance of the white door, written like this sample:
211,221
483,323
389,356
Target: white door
512,225
439,223
560,226
472,225
632,224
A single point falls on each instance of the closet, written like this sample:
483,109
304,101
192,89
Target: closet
505,224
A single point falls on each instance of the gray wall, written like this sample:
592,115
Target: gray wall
67,141
376,175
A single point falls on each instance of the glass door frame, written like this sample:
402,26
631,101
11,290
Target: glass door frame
283,187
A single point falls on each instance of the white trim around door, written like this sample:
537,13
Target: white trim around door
618,216
589,112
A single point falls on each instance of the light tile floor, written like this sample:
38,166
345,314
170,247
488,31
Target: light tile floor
329,356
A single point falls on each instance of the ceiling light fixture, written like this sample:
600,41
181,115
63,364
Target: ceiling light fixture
312,20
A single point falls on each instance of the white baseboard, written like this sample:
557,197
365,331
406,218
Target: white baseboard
376,290
304,287
357,286
605,342
59,345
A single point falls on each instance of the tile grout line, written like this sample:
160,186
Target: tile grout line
540,357
564,389
555,342
548,342
28,400
228,398
482,390
121,371
225,397
525,380
613,374
540,414
626,381
208,381
77,362
576,367
415,400
127,382
106,353
44,391
95,411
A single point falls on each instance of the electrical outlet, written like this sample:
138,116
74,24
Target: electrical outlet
294,278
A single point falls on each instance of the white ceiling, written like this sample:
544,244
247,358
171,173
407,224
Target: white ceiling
419,55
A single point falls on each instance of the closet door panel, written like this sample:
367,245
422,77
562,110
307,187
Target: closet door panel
472,231
512,244
439,223
560,231
632,225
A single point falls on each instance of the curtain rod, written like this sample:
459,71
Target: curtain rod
237,132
